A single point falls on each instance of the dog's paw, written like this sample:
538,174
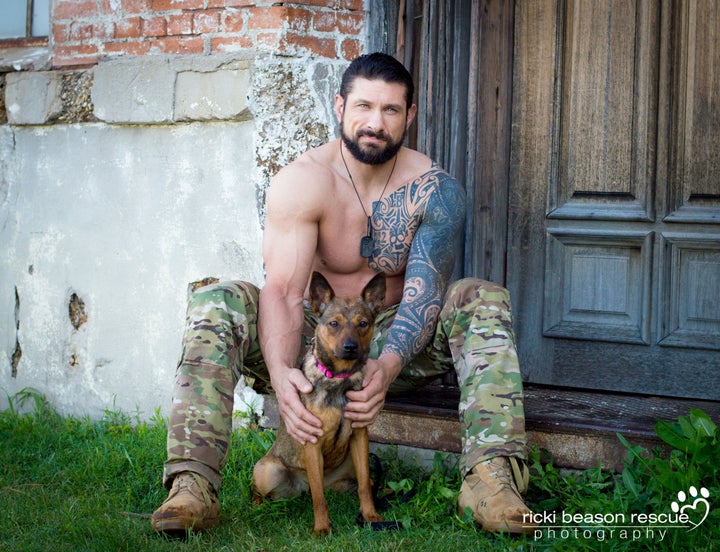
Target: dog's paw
321,531
373,517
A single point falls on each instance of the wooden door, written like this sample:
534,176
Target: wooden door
614,200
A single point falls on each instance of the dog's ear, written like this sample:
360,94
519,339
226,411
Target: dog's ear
374,292
321,293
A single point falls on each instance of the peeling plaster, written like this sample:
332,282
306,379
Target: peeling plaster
291,101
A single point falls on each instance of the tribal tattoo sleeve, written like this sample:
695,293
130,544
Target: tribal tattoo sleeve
429,265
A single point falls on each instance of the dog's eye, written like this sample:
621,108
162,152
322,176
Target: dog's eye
363,324
333,323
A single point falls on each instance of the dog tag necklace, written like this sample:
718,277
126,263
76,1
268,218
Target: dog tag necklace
367,244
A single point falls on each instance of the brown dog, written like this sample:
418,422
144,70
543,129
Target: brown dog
333,365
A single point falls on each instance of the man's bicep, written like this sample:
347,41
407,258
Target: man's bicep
435,243
429,268
289,240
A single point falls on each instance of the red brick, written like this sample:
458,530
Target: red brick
233,21
128,28
231,3
167,5
104,30
133,7
181,24
351,48
179,45
81,31
299,19
74,9
133,48
353,5
295,43
346,22
155,26
80,55
267,18
59,32
268,40
230,44
206,22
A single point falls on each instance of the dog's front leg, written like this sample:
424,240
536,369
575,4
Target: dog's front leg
360,452
314,466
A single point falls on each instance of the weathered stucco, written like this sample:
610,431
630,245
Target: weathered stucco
158,181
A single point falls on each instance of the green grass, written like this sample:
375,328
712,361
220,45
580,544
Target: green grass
77,484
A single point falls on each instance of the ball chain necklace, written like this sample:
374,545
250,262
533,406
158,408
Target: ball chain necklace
367,242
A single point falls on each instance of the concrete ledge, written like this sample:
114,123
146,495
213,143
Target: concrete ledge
153,90
32,98
578,428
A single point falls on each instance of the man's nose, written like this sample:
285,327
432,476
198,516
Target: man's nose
375,120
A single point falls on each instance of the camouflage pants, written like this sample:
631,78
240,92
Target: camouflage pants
474,336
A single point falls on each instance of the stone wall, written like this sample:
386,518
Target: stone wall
126,178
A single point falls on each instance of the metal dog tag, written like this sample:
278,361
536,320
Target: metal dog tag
366,246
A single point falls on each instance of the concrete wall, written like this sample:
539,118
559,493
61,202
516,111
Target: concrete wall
119,186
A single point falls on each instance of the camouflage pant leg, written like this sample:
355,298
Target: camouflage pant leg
475,336
219,345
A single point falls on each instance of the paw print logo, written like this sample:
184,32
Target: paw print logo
695,500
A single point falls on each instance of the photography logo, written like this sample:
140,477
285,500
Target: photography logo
699,505
687,513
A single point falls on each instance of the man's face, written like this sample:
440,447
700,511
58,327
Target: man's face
374,119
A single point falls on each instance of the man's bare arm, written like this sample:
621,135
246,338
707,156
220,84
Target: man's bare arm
289,244
428,270
427,273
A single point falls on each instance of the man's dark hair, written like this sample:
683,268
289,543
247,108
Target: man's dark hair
378,66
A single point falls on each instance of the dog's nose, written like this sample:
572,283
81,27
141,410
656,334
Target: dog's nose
350,348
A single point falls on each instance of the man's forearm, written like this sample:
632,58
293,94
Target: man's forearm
428,270
280,325
416,318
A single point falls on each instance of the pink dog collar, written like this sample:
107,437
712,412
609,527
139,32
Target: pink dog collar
326,371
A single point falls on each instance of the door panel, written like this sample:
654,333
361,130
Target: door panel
607,103
694,195
614,208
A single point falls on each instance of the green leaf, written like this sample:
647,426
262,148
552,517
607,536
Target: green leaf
687,428
629,480
670,434
702,422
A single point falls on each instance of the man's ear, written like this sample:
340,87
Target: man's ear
410,116
339,106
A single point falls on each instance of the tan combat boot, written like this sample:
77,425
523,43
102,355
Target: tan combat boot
490,492
191,504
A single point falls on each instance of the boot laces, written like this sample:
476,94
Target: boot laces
191,483
501,474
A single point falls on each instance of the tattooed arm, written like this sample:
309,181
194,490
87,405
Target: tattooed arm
429,267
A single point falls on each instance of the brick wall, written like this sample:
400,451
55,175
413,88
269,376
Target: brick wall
87,31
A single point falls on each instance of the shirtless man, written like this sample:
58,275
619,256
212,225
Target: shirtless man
348,209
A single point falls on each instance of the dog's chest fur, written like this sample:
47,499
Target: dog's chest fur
326,401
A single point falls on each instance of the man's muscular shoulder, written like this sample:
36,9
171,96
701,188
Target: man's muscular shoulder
302,184
433,198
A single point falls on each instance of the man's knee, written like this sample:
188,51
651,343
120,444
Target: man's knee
225,293
472,290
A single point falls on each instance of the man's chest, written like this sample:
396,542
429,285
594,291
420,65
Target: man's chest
349,241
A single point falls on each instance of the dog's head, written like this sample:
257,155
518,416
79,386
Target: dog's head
345,327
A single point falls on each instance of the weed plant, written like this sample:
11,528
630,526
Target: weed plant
77,484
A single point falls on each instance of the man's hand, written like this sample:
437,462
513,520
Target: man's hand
300,423
364,406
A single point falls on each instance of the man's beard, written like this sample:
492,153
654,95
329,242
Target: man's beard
372,155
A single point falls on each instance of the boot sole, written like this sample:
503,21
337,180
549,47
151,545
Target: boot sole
182,526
